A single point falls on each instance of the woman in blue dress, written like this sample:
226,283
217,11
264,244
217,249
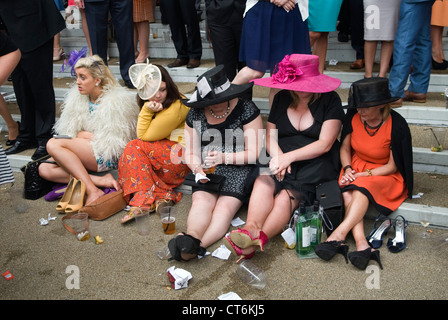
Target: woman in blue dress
271,30
322,20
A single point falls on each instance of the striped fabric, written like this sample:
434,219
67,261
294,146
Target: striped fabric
6,175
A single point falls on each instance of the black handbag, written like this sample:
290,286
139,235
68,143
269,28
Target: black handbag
330,198
215,183
35,186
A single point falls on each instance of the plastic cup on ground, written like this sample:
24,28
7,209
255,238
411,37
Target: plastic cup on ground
168,217
80,223
251,274
142,221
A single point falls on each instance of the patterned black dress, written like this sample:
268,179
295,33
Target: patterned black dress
227,136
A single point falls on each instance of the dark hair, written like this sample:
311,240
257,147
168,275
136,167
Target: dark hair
172,91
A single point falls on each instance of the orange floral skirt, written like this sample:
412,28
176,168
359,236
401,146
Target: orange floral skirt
149,171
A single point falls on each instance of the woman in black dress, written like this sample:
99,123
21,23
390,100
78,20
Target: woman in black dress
301,139
222,131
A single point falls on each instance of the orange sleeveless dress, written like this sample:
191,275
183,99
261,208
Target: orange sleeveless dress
386,193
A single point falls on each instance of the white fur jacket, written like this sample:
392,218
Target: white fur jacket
113,123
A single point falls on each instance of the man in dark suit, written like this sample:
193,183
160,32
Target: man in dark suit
97,16
31,25
225,22
185,31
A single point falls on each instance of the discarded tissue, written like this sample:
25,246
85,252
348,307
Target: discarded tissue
178,277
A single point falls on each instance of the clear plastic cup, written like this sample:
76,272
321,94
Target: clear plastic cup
251,274
142,221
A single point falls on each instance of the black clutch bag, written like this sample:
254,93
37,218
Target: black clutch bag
215,183
330,198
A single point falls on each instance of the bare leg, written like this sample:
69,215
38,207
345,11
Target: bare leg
75,156
55,173
369,57
387,48
13,126
85,29
319,42
266,213
222,215
143,39
246,74
356,205
437,45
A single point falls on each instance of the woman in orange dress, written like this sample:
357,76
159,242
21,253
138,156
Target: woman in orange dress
151,166
376,158
439,20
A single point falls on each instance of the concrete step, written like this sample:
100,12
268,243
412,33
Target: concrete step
160,44
409,209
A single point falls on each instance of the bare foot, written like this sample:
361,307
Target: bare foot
106,181
92,196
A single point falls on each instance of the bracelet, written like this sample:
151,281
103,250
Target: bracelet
195,168
227,158
347,166
369,172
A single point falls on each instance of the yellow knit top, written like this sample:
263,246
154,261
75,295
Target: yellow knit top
166,124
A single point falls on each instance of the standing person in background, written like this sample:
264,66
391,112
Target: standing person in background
271,30
184,25
85,29
380,24
32,79
439,19
143,16
58,52
97,15
9,58
412,48
225,22
322,20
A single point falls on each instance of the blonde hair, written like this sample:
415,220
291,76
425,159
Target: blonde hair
98,69
385,111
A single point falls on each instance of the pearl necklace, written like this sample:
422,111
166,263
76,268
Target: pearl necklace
223,115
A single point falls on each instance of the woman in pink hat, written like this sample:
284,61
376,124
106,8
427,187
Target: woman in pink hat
301,139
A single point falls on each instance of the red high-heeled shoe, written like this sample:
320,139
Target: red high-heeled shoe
236,250
243,239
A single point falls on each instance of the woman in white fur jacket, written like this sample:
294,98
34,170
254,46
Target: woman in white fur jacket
100,116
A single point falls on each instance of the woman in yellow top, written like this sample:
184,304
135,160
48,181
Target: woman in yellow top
151,166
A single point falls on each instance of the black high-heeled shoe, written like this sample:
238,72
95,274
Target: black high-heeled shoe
184,243
360,259
375,237
439,65
327,250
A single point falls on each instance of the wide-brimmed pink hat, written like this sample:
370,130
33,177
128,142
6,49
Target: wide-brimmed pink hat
299,72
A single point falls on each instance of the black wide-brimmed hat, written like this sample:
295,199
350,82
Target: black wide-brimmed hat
214,87
369,92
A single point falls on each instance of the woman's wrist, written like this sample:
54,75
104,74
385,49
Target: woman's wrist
196,168
346,167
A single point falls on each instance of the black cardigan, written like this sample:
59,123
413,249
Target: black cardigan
401,145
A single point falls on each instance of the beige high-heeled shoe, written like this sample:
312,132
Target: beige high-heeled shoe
66,197
59,54
77,200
